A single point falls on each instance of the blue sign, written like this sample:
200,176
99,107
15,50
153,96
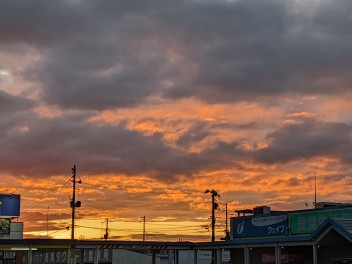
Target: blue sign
10,205
259,226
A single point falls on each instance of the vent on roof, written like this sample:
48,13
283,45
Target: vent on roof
261,210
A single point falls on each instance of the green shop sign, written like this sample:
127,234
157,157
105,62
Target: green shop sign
308,222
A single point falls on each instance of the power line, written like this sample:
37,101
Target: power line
37,214
53,204
106,187
59,232
64,180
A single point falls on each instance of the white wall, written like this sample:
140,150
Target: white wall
120,256
187,257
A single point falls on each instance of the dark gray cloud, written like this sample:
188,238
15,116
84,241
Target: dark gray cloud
102,54
195,134
13,111
13,104
264,49
307,140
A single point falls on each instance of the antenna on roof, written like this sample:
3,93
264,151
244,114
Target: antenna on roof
313,204
315,190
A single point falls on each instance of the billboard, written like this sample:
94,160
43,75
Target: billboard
10,205
308,222
259,226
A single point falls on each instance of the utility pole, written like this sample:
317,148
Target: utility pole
213,217
315,190
73,202
47,223
144,220
227,226
106,235
214,206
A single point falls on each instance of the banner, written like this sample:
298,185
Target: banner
259,226
308,222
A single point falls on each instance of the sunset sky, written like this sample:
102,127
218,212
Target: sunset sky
157,101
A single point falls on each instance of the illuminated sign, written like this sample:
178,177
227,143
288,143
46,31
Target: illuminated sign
285,258
308,222
259,226
10,205
4,226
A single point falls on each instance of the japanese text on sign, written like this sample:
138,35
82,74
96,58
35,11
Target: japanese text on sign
308,222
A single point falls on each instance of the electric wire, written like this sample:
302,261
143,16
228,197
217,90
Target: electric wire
58,232
30,206
60,182
44,210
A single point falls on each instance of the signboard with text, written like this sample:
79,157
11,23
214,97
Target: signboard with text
60,256
308,222
259,226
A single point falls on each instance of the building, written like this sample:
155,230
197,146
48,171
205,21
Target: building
9,210
319,235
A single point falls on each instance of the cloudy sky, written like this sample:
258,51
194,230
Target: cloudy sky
157,101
